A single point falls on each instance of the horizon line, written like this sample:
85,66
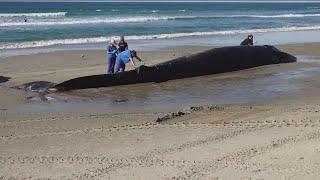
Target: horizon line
167,1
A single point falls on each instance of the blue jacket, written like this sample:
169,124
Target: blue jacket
124,57
112,51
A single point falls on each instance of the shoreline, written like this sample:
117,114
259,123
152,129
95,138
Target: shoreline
155,44
294,48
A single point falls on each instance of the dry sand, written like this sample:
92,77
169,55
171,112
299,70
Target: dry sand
277,140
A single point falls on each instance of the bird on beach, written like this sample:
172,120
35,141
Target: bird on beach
82,56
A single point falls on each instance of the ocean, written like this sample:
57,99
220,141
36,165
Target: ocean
79,23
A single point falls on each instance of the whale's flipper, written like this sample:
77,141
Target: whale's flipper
37,86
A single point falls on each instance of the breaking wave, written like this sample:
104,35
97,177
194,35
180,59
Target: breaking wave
94,21
106,20
33,14
45,43
277,16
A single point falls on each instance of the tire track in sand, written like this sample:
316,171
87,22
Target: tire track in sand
236,159
95,173
56,131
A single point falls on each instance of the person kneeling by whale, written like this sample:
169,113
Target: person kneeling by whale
123,58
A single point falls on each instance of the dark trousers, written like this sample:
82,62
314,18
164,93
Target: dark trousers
111,62
120,66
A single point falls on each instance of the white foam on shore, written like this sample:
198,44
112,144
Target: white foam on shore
33,14
95,21
45,43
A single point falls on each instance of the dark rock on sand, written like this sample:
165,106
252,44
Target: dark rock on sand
4,79
187,111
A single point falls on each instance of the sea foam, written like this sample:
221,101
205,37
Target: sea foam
277,16
33,14
45,43
94,21
107,20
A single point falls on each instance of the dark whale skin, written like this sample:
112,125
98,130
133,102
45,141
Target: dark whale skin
214,61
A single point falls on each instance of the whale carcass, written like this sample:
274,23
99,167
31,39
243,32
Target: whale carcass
218,60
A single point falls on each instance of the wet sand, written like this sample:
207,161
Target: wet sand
263,136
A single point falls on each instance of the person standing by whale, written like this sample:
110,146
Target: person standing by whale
112,56
123,45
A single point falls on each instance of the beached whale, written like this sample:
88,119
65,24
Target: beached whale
218,60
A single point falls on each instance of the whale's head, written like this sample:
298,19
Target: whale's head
281,57
286,58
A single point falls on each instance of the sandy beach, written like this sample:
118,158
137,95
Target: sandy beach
268,137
